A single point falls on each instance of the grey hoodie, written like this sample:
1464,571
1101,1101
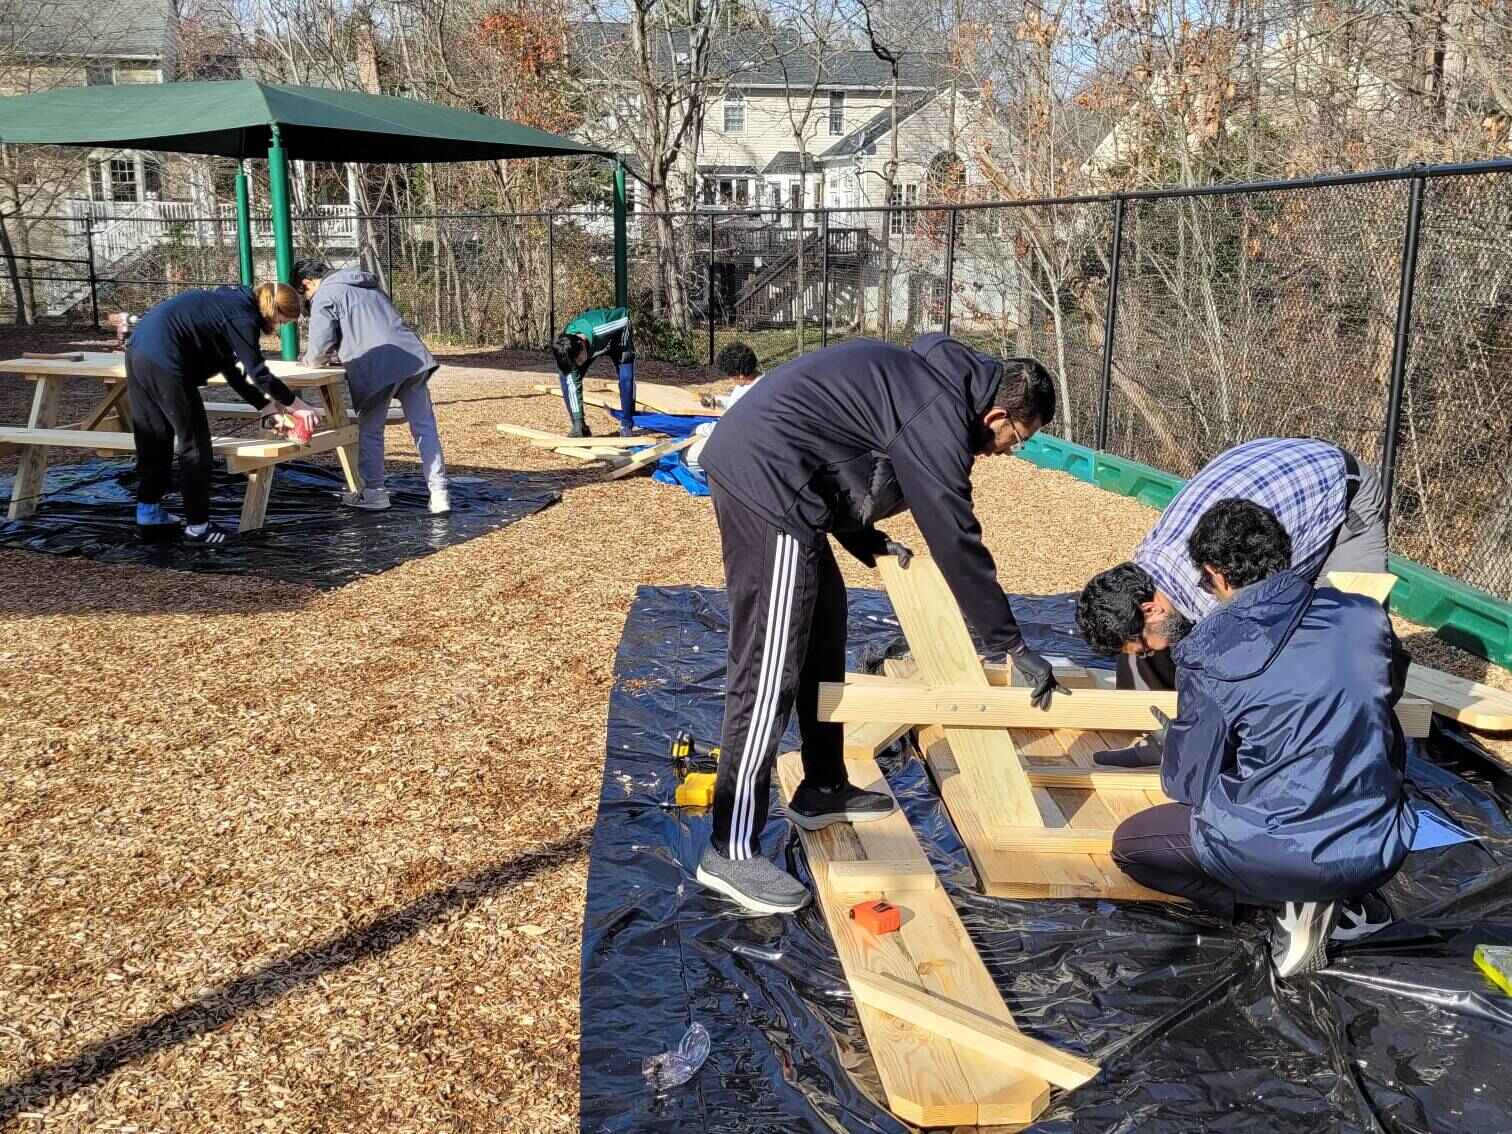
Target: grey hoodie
351,315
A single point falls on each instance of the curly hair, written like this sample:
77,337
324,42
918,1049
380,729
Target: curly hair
1026,391
1109,610
1242,540
737,360
564,349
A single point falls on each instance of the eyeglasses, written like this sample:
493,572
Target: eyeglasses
1019,439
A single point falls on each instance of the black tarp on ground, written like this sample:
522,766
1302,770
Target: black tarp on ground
89,509
1401,1033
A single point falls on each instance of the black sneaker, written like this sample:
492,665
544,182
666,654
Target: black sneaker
752,883
814,809
1299,938
213,536
631,431
580,429
1360,917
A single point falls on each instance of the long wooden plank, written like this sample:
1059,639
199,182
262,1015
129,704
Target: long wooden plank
67,438
882,876
942,647
112,364
984,708
648,457
966,1025
661,398
864,740
259,454
929,1080
1374,584
1098,779
1469,702
544,440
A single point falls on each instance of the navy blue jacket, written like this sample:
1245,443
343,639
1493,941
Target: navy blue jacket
841,438
1287,747
204,332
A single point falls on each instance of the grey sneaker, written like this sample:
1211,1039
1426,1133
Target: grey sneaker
1299,939
814,809
368,499
1360,918
752,883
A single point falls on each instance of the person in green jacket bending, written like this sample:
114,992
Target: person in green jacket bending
602,330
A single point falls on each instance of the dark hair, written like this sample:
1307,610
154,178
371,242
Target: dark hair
564,349
736,360
309,270
1108,612
1242,540
1026,391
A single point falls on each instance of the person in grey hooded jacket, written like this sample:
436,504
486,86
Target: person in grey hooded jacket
385,361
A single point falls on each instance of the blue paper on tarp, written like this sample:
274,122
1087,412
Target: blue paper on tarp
672,469
1396,1036
1435,831
672,424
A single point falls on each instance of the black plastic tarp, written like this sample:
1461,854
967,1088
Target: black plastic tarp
309,538
1400,1033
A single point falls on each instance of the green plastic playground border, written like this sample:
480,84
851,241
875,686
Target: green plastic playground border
1462,616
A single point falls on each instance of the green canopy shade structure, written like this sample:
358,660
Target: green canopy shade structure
244,119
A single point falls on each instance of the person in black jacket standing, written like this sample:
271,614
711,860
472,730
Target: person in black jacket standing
177,347
831,443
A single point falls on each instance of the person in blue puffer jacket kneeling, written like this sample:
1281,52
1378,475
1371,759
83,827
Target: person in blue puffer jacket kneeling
1286,762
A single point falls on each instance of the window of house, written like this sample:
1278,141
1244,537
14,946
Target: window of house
742,193
734,112
795,199
776,202
152,178
726,191
901,195
99,75
96,182
123,179
837,113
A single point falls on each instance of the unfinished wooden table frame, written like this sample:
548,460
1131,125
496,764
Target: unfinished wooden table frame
256,457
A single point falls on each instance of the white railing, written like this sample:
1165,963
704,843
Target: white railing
123,228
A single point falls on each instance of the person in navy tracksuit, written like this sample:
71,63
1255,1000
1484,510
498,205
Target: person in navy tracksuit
1286,763
829,444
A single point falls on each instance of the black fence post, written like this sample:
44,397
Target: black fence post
950,246
550,276
1403,334
388,249
824,278
94,291
1110,321
710,304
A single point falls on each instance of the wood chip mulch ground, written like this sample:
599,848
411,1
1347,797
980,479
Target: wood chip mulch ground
280,860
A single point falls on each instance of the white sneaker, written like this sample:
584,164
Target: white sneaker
440,502
1299,937
369,499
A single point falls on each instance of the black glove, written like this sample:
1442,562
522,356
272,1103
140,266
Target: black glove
893,547
1041,677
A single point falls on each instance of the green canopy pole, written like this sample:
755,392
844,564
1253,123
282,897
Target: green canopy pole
283,231
621,265
243,225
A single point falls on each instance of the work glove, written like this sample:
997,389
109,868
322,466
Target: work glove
1041,677
903,553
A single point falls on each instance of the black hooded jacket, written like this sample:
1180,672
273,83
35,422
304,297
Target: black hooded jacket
203,332
841,438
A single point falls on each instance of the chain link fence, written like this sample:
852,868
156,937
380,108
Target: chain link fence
1178,323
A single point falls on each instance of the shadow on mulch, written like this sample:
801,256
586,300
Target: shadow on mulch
220,1006
309,539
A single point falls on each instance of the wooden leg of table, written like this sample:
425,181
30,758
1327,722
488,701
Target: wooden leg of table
113,402
31,472
255,505
335,399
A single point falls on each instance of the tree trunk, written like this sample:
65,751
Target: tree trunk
11,270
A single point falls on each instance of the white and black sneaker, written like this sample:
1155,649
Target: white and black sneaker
211,535
754,884
814,809
1299,938
1360,917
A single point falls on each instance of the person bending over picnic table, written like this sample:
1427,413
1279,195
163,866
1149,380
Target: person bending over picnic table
174,349
1332,506
1286,764
596,332
830,444
385,361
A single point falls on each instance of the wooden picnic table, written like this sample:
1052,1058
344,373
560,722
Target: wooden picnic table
107,428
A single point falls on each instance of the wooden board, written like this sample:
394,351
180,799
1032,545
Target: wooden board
866,740
648,457
112,364
612,456
544,440
942,648
1375,584
1469,702
882,877
249,455
928,1079
657,397
985,708
68,438
965,1025
1013,874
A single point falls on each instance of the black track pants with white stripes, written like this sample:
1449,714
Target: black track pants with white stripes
787,634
